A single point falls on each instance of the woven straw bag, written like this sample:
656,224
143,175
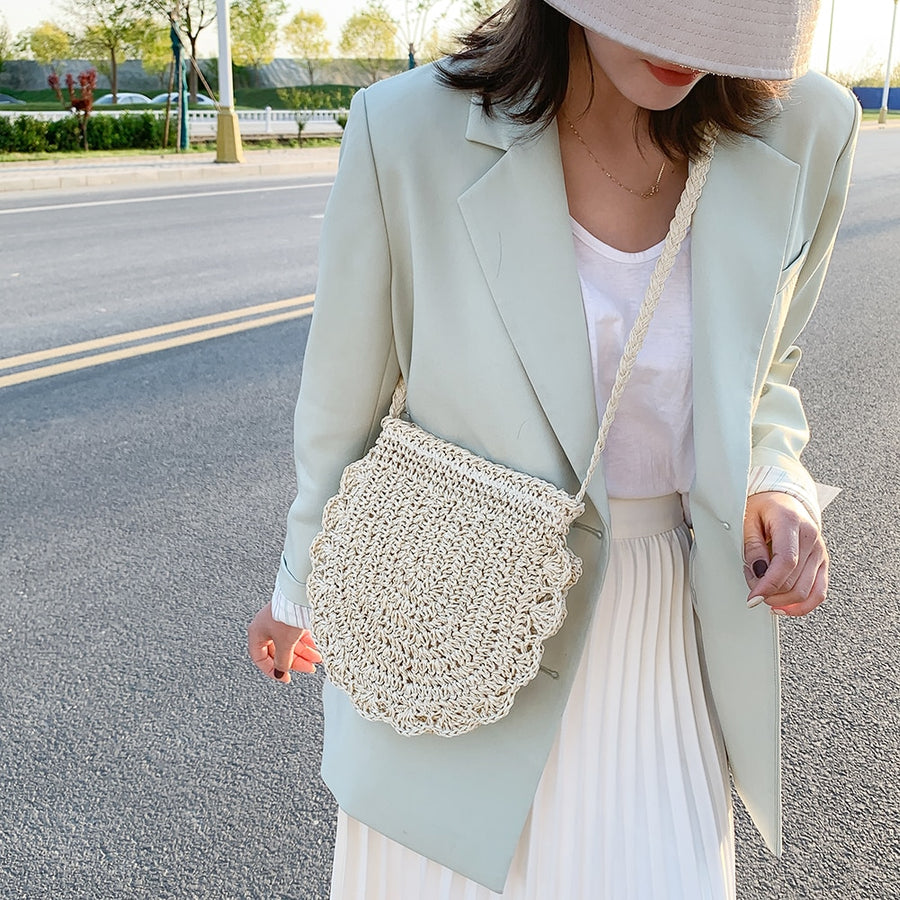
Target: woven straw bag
438,574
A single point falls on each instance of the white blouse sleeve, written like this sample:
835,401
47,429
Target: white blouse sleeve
289,613
771,478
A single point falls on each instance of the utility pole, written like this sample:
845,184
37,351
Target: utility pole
178,70
228,134
830,33
882,113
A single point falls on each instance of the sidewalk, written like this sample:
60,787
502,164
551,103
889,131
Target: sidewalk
192,167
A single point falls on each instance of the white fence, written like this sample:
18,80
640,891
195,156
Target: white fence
268,121
253,123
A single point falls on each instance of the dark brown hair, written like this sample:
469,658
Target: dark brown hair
518,58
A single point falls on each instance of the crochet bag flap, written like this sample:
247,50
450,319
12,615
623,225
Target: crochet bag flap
436,579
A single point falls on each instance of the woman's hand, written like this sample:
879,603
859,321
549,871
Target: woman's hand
785,560
277,648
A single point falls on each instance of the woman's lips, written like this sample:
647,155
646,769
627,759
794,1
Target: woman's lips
672,77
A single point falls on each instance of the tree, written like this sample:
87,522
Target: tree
155,49
190,18
49,45
293,97
254,31
418,22
370,37
6,42
80,101
475,11
471,14
305,38
868,73
195,16
110,32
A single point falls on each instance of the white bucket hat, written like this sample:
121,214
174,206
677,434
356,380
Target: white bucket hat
769,39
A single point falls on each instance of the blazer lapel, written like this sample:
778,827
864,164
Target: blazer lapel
518,220
739,233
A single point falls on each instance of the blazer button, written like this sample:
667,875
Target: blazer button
726,526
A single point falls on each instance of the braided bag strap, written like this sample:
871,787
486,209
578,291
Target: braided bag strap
398,400
678,229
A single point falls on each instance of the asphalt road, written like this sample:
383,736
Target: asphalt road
140,524
79,264
141,511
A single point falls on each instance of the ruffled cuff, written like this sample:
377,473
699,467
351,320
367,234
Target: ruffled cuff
289,613
771,478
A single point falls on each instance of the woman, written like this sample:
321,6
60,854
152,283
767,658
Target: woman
490,236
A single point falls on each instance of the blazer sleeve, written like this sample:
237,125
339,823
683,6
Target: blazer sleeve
779,428
350,366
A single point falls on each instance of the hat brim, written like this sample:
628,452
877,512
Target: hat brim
722,42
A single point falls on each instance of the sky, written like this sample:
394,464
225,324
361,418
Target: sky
860,36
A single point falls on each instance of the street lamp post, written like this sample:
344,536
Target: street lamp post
882,113
830,33
228,134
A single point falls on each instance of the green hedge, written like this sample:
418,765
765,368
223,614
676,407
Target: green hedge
64,134
131,131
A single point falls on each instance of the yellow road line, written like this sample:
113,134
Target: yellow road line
85,362
26,359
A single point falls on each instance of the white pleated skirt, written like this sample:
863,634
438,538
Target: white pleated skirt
634,802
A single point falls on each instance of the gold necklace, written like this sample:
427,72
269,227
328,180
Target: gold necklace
651,191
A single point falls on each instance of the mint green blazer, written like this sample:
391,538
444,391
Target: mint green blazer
447,255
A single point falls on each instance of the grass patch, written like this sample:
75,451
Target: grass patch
32,107
871,115
46,99
92,155
249,144
37,104
42,96
98,156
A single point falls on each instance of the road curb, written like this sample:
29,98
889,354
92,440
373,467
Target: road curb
18,178
872,125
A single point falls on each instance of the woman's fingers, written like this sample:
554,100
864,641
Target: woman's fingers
798,586
786,564
262,655
756,547
305,654
784,537
283,661
801,582
307,638
300,664
306,648
797,604
271,645
259,654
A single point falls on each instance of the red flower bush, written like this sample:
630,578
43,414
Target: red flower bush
81,101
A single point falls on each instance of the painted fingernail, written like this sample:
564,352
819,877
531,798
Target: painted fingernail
760,567
754,601
778,612
279,673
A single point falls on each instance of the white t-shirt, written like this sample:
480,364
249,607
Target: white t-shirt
650,449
